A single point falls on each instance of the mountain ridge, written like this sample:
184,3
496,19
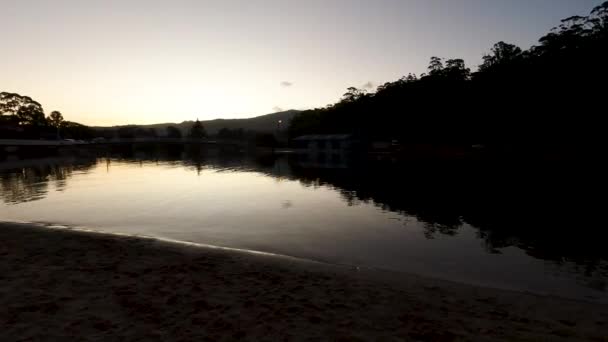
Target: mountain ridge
263,123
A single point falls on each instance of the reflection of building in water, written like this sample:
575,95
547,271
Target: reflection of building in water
324,151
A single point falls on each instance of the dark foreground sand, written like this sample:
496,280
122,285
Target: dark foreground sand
60,285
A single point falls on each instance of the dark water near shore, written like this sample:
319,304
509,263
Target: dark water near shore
509,225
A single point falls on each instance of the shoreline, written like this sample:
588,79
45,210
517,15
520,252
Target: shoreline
369,271
76,283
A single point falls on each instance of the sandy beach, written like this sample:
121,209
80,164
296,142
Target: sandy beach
58,285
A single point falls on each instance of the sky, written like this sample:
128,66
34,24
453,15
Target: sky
110,62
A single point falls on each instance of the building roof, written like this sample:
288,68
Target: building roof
323,137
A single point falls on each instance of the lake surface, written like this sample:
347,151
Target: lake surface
506,226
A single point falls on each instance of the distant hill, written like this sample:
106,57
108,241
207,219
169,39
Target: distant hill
265,123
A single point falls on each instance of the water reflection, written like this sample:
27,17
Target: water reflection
29,180
544,210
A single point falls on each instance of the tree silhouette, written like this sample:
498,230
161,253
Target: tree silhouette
197,131
544,96
31,115
353,94
22,109
456,70
502,53
55,119
435,66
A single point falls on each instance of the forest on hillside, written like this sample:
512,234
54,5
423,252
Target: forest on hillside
552,93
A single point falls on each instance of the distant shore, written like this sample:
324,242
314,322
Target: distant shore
57,284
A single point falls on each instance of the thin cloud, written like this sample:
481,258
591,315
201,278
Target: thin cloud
368,85
286,84
278,109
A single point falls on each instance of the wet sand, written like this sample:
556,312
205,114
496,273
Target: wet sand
58,284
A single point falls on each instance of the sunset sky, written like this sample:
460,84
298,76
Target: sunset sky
146,61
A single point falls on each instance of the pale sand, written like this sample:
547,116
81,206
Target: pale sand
59,285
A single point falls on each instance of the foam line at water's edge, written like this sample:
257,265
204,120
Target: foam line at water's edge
48,225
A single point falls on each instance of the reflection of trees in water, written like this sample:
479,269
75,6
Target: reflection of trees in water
544,210
23,187
30,182
194,157
391,191
547,212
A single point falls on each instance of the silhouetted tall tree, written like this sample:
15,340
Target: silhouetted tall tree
353,94
31,115
456,70
435,66
197,131
502,53
22,111
22,108
55,119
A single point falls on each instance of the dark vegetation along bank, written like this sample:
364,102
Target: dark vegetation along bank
552,93
550,96
21,117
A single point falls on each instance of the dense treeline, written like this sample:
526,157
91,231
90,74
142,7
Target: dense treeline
23,118
551,93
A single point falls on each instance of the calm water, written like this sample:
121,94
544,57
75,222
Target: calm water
510,226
